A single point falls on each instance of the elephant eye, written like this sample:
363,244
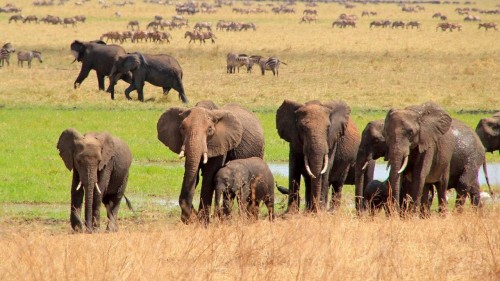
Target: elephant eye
210,131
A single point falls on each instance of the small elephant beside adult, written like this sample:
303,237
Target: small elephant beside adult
100,163
488,130
323,146
159,70
248,180
435,149
96,55
208,136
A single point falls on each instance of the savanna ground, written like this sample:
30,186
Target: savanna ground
372,70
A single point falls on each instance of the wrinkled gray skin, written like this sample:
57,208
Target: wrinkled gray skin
159,70
208,137
371,148
317,133
100,163
248,180
98,56
440,151
488,130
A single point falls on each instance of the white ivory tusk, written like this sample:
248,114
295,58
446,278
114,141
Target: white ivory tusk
388,166
97,186
364,166
308,169
325,165
405,163
79,185
205,158
181,154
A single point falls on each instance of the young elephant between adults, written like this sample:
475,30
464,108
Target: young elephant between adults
98,56
323,146
100,163
250,181
208,137
430,147
159,70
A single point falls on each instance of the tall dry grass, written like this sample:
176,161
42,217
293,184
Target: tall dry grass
322,247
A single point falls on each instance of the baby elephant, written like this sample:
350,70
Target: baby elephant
375,196
250,181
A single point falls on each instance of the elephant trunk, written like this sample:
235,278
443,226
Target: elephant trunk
362,161
193,153
398,162
315,167
89,186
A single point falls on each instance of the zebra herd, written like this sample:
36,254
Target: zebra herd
22,56
235,61
199,35
136,36
49,19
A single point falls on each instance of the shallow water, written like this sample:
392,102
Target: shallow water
382,174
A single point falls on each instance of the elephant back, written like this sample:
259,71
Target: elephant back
252,140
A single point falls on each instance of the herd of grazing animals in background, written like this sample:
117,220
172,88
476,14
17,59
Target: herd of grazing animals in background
49,19
235,61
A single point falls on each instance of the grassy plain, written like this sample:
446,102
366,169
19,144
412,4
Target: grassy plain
372,70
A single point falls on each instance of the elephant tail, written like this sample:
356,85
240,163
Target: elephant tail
485,170
180,89
282,189
129,205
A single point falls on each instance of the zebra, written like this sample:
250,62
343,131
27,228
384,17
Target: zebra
272,63
207,35
5,53
23,56
133,23
236,61
193,36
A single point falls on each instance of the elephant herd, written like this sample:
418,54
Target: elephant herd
134,68
425,149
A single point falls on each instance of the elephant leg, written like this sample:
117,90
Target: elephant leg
166,90
425,208
208,172
140,91
129,90
76,204
96,210
337,185
112,204
460,200
308,192
100,81
295,165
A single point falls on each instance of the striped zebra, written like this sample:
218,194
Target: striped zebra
236,61
5,52
272,63
23,56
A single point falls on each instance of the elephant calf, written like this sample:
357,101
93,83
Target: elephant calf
100,163
249,180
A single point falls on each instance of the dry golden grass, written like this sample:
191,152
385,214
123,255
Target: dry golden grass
322,247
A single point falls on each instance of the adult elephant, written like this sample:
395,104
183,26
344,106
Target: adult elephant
437,150
100,163
371,148
160,70
488,130
98,56
323,146
208,137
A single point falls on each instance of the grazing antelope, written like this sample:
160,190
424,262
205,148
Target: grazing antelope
16,18
397,24
23,56
31,18
132,24
308,19
71,21
413,24
443,26
488,25
382,23
247,26
80,18
272,64
113,36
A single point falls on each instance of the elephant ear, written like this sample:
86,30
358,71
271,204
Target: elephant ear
339,117
66,146
491,126
78,49
168,128
107,148
227,134
286,123
131,62
208,104
434,122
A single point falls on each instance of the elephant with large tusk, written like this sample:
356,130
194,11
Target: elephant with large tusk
208,137
426,145
323,145
100,163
